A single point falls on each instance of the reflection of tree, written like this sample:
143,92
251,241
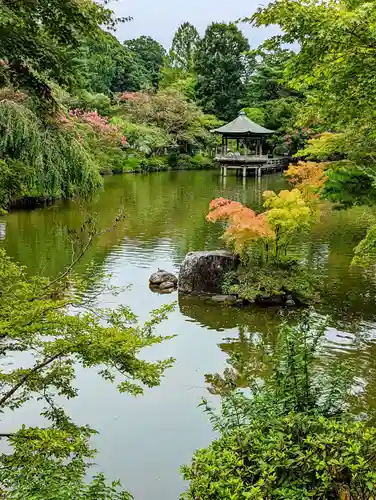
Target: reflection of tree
245,361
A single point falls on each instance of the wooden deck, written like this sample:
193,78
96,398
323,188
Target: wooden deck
245,165
234,159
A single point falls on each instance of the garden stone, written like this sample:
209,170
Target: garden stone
204,272
166,290
162,276
166,285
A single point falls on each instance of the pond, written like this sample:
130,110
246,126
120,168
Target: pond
143,441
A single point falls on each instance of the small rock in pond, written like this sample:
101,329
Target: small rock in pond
290,302
161,276
167,290
166,285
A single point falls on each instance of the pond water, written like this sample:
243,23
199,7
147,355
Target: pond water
143,441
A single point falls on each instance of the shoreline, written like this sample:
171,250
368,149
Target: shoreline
31,202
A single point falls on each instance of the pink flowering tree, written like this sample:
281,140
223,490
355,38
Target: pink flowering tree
103,140
100,126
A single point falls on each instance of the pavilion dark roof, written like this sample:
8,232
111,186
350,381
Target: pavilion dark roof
242,125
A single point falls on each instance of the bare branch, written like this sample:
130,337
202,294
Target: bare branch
84,250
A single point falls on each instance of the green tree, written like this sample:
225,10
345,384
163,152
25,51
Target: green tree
60,328
222,67
184,47
110,67
334,67
266,82
39,42
336,42
267,95
178,79
183,121
150,54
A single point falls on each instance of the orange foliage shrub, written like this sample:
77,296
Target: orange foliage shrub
244,225
308,177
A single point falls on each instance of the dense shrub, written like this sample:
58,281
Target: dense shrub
298,456
290,436
196,162
154,163
132,164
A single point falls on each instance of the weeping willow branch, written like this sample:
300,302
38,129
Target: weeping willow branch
46,160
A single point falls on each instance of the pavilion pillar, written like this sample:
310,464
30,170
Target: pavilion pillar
237,144
260,148
223,145
258,145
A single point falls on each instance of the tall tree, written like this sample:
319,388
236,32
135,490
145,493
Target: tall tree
268,93
39,39
151,55
109,67
335,63
222,66
184,47
334,68
267,80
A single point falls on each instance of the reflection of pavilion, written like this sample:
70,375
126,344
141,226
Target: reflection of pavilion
245,151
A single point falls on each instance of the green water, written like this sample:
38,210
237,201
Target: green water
144,441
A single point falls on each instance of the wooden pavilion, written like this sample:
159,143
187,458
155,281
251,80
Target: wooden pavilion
246,153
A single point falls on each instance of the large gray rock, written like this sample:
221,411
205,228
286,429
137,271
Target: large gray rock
203,272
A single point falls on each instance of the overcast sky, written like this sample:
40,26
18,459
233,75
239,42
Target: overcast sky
160,18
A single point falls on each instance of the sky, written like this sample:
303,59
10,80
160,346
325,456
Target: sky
161,18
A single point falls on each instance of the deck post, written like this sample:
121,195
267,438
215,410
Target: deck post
259,172
244,172
224,171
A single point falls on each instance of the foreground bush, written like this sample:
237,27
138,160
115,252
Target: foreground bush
297,456
291,436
